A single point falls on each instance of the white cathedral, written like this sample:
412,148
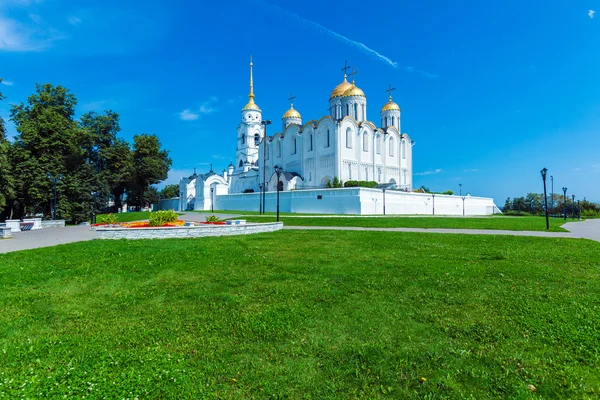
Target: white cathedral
343,145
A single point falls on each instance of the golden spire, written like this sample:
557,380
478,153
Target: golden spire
251,105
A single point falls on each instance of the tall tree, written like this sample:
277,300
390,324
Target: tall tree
6,178
151,165
120,171
47,143
99,139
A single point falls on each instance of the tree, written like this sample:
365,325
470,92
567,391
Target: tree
47,143
99,140
120,166
169,191
151,165
6,178
151,196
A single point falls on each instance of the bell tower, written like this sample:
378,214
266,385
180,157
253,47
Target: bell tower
250,132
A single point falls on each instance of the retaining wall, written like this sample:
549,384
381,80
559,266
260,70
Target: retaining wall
5,232
186,231
59,223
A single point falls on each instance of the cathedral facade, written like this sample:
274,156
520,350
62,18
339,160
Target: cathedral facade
343,145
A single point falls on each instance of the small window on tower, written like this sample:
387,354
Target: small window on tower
256,140
243,139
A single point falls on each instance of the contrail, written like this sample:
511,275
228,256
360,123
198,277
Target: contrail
360,46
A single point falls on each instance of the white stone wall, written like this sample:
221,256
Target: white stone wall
359,201
59,223
186,231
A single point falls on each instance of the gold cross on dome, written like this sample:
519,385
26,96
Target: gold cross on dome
346,67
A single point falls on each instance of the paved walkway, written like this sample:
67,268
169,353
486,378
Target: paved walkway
46,238
589,229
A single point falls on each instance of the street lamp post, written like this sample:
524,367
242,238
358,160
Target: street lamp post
278,171
212,199
54,179
264,162
552,192
383,201
463,199
565,202
260,210
573,205
460,189
544,172
433,203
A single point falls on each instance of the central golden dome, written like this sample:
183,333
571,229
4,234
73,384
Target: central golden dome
353,91
292,113
340,89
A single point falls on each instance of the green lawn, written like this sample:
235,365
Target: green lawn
501,223
303,314
130,216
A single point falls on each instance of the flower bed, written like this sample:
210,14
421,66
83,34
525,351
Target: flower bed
146,224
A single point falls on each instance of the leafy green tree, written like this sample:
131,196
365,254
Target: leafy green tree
169,191
151,165
151,196
47,142
120,166
6,178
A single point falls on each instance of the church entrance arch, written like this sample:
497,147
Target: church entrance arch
190,203
392,181
326,181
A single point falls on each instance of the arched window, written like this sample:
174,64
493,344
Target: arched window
348,138
364,114
243,139
392,120
347,109
241,163
310,142
378,144
366,173
391,147
256,140
293,145
279,148
403,147
327,143
365,142
355,111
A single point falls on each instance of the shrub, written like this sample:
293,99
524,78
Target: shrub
517,213
337,183
110,219
159,218
212,218
365,184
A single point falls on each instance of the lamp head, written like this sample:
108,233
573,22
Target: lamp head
544,172
266,122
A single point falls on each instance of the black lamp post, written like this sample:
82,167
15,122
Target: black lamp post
264,162
54,179
460,189
552,192
278,171
565,201
260,187
433,195
463,199
544,172
212,199
573,206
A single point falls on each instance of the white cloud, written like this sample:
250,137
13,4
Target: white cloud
591,13
436,171
188,115
73,20
7,83
471,170
33,35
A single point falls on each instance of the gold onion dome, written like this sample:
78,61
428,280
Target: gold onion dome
251,106
340,89
292,113
353,90
390,105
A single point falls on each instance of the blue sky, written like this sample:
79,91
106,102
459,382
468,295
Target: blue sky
491,92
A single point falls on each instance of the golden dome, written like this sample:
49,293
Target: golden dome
353,91
390,105
291,113
340,89
251,105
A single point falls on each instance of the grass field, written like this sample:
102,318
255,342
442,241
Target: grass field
302,314
496,223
